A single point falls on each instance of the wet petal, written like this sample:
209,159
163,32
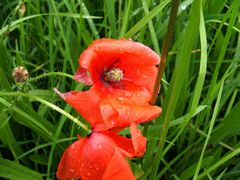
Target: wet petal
137,61
138,140
94,157
118,168
69,164
129,52
130,147
85,102
140,76
124,144
123,111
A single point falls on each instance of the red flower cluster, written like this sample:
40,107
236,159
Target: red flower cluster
122,74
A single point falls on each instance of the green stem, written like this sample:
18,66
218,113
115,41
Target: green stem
165,50
176,82
50,74
75,120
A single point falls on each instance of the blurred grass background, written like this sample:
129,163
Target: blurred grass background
197,135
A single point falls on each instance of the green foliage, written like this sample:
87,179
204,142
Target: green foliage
196,136
13,170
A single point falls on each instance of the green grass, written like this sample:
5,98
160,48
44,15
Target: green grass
197,134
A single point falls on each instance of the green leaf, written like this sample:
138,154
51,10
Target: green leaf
228,126
140,24
15,171
188,173
4,63
39,158
4,84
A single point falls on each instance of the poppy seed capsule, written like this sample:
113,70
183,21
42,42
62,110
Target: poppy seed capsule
20,74
114,75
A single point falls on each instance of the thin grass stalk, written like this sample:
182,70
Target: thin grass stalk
165,50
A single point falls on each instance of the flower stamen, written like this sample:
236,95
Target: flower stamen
114,75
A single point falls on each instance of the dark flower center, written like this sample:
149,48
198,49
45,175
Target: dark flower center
114,75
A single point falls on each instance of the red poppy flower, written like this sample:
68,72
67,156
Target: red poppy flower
123,75
101,156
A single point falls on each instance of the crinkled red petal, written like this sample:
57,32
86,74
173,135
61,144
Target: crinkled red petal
87,104
121,112
138,140
132,53
132,93
135,59
82,76
140,76
130,147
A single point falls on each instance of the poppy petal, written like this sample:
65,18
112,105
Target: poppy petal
130,147
82,76
85,102
131,57
69,163
138,140
118,168
134,94
133,53
124,144
94,157
140,76
121,112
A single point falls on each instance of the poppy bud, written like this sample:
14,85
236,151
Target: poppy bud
22,9
20,74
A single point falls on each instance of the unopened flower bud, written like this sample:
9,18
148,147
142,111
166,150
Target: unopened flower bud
20,74
22,9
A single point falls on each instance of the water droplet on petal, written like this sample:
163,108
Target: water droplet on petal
100,146
71,170
121,51
121,99
128,94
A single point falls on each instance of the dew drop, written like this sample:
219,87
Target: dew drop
121,99
127,94
100,146
71,170
121,50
